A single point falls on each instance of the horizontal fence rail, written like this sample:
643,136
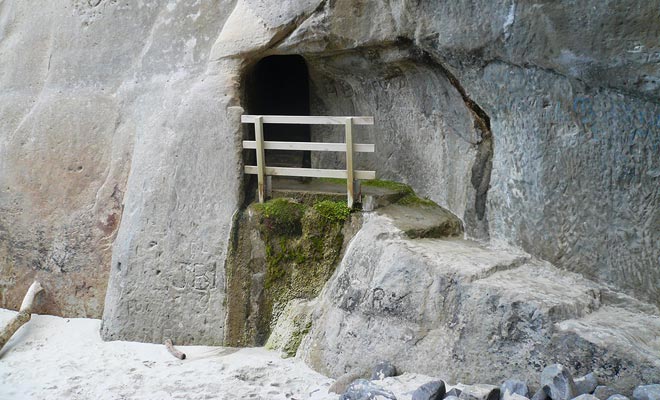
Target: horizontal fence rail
260,145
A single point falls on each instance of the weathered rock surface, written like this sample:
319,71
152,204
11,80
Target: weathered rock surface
538,126
401,299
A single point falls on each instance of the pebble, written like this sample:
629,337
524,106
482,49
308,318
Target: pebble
586,384
618,397
514,386
383,370
430,391
558,382
604,392
480,392
363,389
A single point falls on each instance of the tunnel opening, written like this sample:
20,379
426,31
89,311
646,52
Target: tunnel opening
279,85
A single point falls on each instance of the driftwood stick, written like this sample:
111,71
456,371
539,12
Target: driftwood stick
23,316
176,353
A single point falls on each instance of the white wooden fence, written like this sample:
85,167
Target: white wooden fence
261,170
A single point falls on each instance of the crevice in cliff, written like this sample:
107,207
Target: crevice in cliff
475,217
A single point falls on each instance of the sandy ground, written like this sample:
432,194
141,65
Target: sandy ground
59,358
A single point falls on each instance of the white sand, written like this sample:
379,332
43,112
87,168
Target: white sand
59,358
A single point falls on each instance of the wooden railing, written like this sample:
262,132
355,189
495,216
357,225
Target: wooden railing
261,170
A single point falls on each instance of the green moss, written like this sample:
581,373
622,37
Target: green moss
390,185
379,183
299,265
291,347
413,200
281,216
333,211
338,181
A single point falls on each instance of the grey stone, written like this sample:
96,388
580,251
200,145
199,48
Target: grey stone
558,383
341,384
382,370
585,396
514,386
604,392
453,392
363,389
586,384
540,395
647,392
513,396
618,397
430,391
451,397
480,392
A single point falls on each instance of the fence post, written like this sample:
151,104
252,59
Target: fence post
349,162
261,159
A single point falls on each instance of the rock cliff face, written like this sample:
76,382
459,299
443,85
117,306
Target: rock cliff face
536,122
454,309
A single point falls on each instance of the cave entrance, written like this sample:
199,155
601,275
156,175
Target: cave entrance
279,85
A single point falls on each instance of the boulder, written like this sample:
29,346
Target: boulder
558,383
430,391
453,392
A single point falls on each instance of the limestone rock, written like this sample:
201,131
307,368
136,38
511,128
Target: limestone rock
618,397
461,301
558,383
430,391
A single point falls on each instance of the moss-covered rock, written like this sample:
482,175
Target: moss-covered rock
283,250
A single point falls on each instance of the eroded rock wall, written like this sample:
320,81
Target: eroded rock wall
93,92
535,122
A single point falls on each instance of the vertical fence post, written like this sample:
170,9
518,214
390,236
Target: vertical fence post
261,159
349,162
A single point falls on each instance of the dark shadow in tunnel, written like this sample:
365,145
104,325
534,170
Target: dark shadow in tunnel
279,85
